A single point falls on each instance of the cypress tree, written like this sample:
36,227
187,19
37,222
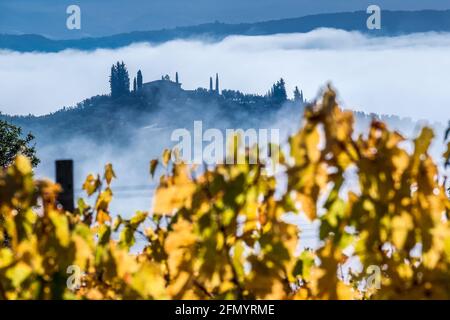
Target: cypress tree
113,81
297,95
278,93
217,83
125,79
139,80
282,91
119,80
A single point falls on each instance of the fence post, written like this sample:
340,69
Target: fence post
64,176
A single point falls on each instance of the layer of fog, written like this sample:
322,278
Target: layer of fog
407,75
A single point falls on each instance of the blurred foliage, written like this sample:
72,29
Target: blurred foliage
12,143
222,233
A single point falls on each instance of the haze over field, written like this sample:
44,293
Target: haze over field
406,76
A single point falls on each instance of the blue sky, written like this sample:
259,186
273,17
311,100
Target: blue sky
103,17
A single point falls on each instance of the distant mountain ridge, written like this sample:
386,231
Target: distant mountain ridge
393,23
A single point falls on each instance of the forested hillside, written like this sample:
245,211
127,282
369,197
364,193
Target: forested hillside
394,23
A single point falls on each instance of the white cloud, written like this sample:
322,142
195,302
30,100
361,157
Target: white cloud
407,76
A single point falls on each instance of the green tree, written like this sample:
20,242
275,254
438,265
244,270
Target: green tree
139,80
12,143
278,93
113,81
298,96
119,80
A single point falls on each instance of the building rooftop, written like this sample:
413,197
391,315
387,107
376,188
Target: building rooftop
161,83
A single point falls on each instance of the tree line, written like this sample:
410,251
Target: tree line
120,85
119,80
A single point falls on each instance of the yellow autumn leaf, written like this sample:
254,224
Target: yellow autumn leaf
109,173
